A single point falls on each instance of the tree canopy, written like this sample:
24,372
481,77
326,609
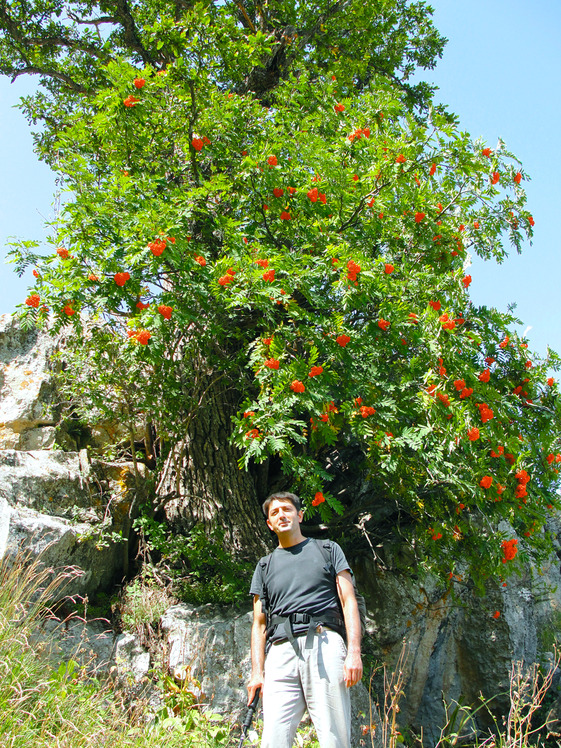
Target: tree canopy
260,201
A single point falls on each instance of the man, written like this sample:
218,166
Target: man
307,662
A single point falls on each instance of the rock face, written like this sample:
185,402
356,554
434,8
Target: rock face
67,510
456,646
28,407
59,505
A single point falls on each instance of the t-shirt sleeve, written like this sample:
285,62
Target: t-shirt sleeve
256,587
340,562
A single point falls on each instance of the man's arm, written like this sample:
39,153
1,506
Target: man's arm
352,669
258,636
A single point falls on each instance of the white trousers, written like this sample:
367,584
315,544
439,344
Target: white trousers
316,682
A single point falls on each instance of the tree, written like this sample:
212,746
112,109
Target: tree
273,223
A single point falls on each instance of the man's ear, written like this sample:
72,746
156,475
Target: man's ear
300,516
269,525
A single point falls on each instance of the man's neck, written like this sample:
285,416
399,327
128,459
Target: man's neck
291,540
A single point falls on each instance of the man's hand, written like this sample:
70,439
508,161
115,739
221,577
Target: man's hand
255,682
352,669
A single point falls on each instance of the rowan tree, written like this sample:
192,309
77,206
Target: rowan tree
273,226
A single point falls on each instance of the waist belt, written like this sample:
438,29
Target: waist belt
314,621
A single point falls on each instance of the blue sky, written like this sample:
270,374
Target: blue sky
499,73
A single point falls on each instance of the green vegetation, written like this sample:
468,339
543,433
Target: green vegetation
43,705
264,254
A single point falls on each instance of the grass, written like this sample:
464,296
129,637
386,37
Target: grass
62,706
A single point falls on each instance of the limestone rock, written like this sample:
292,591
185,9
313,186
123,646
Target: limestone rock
67,510
27,394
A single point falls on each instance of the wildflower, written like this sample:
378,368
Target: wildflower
400,159
93,278
503,344
139,82
495,178
165,311
63,253
486,481
278,192
419,217
412,318
444,399
319,498
297,386
271,363
200,260
130,101
269,275
383,324
473,434
33,300
339,107
224,280
315,370
531,221
141,305
267,341
518,178
285,216
551,381
432,169
487,152
272,161
459,384
484,376
476,224
388,269
313,194
528,364
436,305
466,280
121,278
252,434
342,340
322,198
496,614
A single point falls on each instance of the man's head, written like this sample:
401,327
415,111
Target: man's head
284,516
284,496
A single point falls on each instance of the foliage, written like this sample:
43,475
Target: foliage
197,566
258,198
44,705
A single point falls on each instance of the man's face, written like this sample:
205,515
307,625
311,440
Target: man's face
283,516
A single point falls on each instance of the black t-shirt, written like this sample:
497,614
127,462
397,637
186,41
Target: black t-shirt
300,580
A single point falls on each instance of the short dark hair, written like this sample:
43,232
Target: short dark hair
282,496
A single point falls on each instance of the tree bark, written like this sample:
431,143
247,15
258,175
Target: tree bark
201,483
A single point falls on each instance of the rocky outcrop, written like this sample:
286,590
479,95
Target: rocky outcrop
459,646
28,405
69,511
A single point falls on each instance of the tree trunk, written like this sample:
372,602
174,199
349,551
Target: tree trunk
201,483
